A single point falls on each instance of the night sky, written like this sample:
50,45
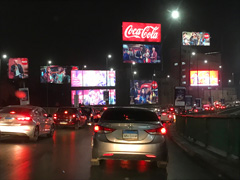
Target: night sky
84,32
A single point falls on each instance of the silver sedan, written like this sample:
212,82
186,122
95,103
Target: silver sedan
31,121
125,133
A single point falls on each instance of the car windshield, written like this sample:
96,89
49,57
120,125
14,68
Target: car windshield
68,110
128,115
16,110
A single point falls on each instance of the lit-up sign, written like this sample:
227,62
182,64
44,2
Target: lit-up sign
18,68
143,32
204,78
195,39
143,92
94,96
92,78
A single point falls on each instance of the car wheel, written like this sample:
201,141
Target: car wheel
77,125
34,138
52,129
95,162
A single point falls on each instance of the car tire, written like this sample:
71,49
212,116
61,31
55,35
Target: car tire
95,162
34,138
77,125
52,129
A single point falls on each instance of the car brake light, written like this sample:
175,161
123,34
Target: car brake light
108,154
24,118
101,129
91,115
169,116
150,156
12,112
164,114
65,112
160,130
171,109
105,108
74,115
195,110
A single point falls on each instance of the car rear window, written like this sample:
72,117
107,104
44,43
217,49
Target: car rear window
16,110
69,110
128,115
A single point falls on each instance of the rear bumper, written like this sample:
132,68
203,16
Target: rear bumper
102,150
17,130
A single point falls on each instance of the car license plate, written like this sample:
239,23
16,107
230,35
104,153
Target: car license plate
130,135
63,122
8,118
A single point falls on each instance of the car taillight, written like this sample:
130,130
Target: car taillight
74,115
169,116
24,118
150,156
65,112
101,129
164,114
195,110
105,108
160,130
212,108
12,112
54,116
91,115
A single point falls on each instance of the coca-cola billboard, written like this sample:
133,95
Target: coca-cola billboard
142,32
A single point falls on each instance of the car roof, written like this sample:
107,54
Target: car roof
25,106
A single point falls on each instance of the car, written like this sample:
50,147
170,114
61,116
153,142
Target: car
92,114
127,133
29,121
69,117
166,116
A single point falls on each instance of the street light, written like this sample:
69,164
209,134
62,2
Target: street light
193,53
107,58
4,56
134,72
49,62
176,15
168,76
111,69
205,61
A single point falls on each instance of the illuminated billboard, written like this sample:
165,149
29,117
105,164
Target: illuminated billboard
18,68
92,78
55,74
94,96
143,92
195,38
141,53
141,32
204,78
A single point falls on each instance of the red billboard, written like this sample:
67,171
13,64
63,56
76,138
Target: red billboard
204,78
18,68
142,32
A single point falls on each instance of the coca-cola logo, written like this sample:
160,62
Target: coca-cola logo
141,32
147,32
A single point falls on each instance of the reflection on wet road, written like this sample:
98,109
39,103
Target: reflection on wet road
67,156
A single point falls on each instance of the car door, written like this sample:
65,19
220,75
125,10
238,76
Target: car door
46,120
37,118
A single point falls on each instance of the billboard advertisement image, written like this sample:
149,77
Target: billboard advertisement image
141,53
55,74
94,96
18,68
141,32
195,38
92,78
180,96
204,78
143,92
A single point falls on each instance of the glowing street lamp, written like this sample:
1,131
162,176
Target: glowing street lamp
4,56
205,61
175,14
49,62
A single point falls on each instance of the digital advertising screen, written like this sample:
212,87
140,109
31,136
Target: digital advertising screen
18,68
195,38
204,78
141,32
143,92
94,96
93,78
141,53
180,93
55,74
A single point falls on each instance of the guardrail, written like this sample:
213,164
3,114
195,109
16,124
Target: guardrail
218,133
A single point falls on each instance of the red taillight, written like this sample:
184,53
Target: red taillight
74,115
169,116
212,108
164,114
171,109
195,110
206,108
54,116
101,129
105,108
12,112
24,118
160,130
108,154
65,112
91,115
150,156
